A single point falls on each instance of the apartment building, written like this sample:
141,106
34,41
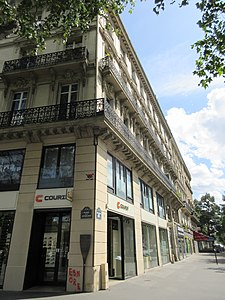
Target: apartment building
92,184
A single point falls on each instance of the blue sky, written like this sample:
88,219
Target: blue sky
195,116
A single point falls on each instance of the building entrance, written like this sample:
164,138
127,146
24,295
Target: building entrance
121,247
49,246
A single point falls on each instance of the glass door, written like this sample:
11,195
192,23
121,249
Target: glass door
121,247
6,226
55,247
115,256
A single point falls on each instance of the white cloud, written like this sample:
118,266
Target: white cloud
171,72
201,139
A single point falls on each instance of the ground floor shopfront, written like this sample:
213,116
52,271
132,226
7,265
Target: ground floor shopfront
77,237
50,241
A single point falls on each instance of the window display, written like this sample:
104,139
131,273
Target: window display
149,245
11,163
57,167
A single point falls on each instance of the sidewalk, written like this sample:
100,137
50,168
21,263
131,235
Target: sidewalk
197,278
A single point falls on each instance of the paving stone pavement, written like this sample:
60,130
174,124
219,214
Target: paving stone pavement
197,277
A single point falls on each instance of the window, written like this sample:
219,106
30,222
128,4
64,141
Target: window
68,97
133,74
74,43
19,100
146,196
11,163
161,206
123,55
57,167
18,107
119,179
149,246
69,93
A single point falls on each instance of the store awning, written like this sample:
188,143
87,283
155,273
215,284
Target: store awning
201,237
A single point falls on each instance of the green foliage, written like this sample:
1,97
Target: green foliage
211,48
210,215
61,16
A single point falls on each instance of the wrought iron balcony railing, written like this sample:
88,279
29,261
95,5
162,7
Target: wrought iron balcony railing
107,63
52,113
44,60
80,110
111,115
187,207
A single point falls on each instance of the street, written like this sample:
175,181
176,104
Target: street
197,277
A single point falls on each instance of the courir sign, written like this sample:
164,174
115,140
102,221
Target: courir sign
122,206
53,198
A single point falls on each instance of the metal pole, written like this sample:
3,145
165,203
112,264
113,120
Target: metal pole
216,257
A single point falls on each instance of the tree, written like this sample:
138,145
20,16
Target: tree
221,234
63,15
209,215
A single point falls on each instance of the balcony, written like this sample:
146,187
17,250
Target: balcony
45,60
52,113
187,208
107,65
81,110
118,124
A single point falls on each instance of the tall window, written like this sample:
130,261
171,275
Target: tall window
18,107
57,167
146,196
149,246
161,206
19,100
119,179
69,93
11,163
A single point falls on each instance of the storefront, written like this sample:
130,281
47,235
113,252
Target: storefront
121,246
50,236
149,244
121,255
180,242
164,246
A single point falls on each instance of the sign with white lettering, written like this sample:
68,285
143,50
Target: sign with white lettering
53,198
86,213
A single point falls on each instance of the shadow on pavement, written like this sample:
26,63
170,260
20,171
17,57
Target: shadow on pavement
29,295
218,260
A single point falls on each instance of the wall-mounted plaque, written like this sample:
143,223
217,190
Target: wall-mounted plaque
98,213
86,213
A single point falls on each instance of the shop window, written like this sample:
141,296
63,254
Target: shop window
164,245
119,179
149,245
146,196
6,226
161,206
57,167
11,163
